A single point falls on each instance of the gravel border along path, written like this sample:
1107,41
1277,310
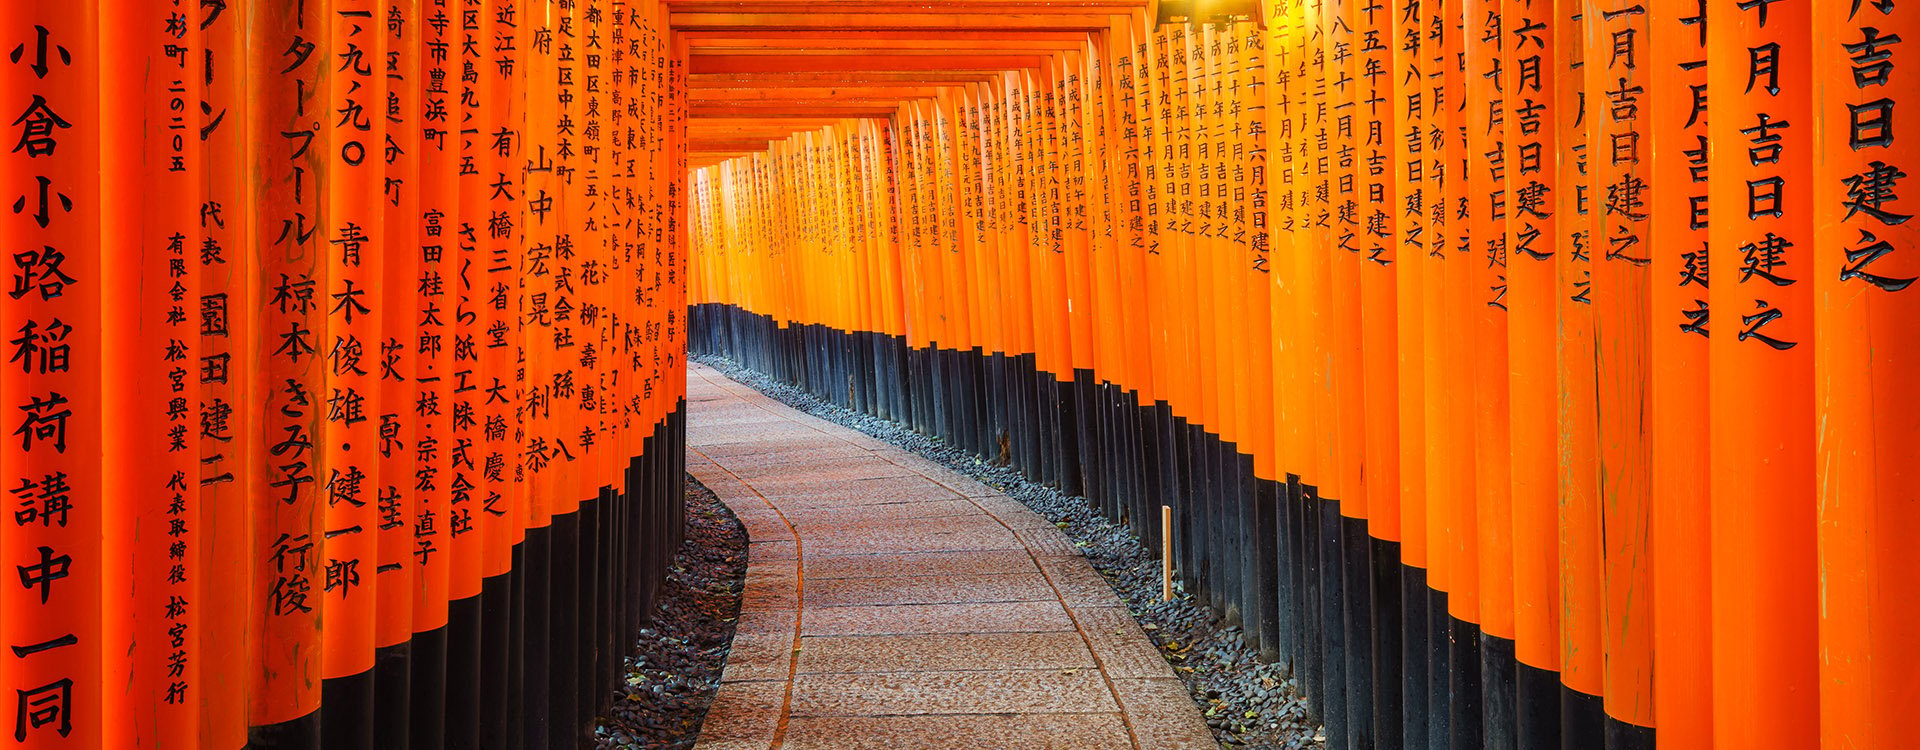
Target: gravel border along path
674,671
1248,704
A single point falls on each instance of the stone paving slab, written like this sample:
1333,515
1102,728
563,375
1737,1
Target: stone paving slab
893,603
973,617
1101,731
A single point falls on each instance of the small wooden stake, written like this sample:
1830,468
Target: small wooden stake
1166,553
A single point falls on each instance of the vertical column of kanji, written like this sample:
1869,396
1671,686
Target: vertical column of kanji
1864,267
1146,178
871,289
1312,169
1192,376
1205,114
1227,322
1580,567
1030,332
1761,410
1231,312
1012,288
657,154
1529,164
1242,178
52,545
879,180
971,238
1026,257
543,449
1253,232
999,153
1378,246
631,238
1450,329
926,191
1163,250
1105,216
676,162
1077,157
1208,58
228,420
995,260
1200,257
288,66
1234,313
1332,348
630,325
628,321
399,329
1176,105
620,225
1286,111
595,237
1133,164
436,244
569,217
1284,107
591,243
867,256
1421,330
152,340
349,443
944,152
1676,151
1280,124
1416,289
1612,64
1481,520
1374,587
467,278
504,524
994,202
1344,341
913,275
1454,336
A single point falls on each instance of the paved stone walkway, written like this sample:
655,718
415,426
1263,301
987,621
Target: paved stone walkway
892,603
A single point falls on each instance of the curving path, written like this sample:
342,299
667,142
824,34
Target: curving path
892,603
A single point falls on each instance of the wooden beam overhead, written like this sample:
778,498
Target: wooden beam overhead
762,71
864,78
860,36
894,18
704,64
802,110
850,93
893,47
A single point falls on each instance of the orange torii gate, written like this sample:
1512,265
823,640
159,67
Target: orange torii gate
1404,309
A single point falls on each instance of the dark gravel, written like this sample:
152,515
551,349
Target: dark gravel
1248,704
675,668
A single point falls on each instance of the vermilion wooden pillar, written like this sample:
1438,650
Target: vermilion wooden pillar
1761,411
57,564
288,558
1677,387
1864,268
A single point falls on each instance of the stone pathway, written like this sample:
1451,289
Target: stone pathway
892,603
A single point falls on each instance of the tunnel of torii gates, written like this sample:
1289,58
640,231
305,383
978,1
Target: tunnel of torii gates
345,341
